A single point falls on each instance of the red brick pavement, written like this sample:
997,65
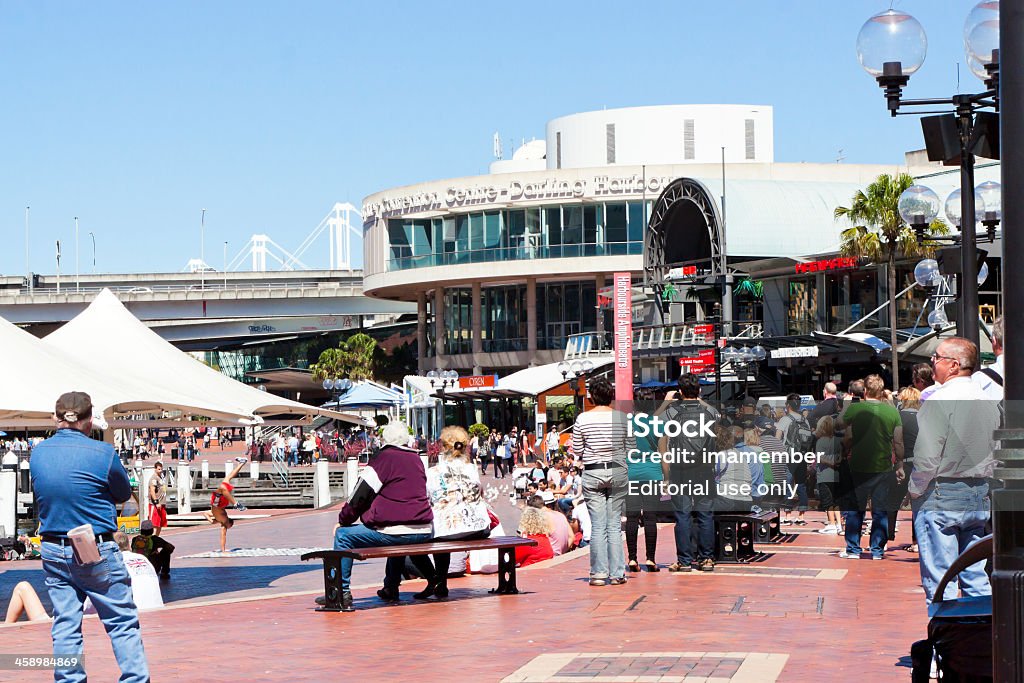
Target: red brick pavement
843,620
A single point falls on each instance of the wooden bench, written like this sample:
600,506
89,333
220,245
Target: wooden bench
505,545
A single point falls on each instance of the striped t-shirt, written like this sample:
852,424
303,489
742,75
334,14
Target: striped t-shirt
600,436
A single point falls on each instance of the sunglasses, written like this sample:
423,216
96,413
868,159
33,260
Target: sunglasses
936,357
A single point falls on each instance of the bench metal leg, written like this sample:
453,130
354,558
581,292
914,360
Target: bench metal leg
332,585
506,572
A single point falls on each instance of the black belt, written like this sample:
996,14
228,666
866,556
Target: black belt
602,465
105,537
971,481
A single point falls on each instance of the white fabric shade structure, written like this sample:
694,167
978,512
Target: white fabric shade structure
527,382
149,374
34,376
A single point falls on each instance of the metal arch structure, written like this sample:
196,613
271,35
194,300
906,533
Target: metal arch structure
656,267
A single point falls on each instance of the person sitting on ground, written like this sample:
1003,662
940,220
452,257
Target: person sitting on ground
220,500
145,589
390,499
456,500
537,472
145,586
580,523
560,534
534,525
532,489
25,600
154,548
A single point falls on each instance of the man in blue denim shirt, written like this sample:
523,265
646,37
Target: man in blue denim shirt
80,481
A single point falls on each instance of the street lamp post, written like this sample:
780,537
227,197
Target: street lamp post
577,369
93,236
202,250
743,359
441,380
336,387
891,47
78,283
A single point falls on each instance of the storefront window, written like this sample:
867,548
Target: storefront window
503,318
458,321
851,295
803,306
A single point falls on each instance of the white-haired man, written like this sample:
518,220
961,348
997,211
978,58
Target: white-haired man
953,463
829,405
390,499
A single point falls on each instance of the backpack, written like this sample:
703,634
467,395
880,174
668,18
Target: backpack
799,435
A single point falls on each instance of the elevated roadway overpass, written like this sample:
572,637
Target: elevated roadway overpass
207,310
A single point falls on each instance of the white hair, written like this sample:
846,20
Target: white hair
395,434
830,388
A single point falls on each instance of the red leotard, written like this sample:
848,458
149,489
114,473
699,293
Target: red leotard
218,500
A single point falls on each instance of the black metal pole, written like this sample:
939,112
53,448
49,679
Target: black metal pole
967,322
1008,502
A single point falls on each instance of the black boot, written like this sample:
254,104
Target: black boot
346,602
441,589
427,592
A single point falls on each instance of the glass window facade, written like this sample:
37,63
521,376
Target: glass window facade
458,321
503,318
568,230
564,308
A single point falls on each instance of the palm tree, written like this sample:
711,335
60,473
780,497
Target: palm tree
352,359
880,235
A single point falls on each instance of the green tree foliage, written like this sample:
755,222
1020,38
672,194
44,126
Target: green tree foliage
353,359
479,429
879,234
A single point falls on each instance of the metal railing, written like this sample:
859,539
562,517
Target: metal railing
652,337
70,288
524,253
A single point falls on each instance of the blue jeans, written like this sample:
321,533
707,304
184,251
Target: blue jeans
565,505
948,518
690,509
605,494
875,487
109,586
360,536
293,458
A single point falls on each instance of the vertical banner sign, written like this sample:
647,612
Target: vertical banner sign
623,337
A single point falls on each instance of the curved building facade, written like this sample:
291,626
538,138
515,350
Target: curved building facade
505,266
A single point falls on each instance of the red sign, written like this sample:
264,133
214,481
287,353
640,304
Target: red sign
623,326
703,362
838,263
477,381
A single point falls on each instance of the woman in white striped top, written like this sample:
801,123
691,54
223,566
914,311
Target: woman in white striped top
600,440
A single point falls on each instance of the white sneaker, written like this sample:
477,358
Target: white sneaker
829,529
849,556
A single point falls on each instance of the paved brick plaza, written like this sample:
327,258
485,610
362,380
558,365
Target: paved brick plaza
801,614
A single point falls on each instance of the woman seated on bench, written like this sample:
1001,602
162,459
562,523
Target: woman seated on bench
460,513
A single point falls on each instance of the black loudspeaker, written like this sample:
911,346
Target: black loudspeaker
984,140
734,539
941,139
949,260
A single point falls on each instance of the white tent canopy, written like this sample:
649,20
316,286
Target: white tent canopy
107,339
34,376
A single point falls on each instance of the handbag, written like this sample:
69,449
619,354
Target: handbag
494,519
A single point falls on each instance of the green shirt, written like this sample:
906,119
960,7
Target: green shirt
873,424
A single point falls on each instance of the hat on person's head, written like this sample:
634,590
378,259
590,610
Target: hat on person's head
764,423
146,528
395,433
750,401
73,406
548,497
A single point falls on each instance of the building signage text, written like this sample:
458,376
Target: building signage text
515,190
796,352
838,263
477,381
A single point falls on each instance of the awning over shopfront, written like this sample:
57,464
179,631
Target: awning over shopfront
526,382
418,392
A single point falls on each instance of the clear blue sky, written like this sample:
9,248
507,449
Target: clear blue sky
134,116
